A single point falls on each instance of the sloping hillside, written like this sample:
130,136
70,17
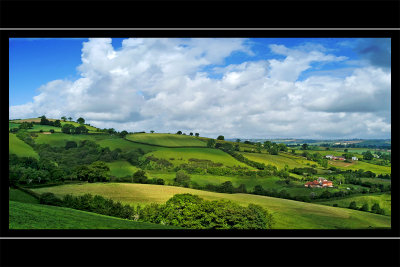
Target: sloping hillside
167,140
289,214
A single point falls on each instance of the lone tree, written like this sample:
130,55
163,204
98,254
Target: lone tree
152,131
69,118
191,134
304,146
221,137
81,120
64,118
179,132
196,134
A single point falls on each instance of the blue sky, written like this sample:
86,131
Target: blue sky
284,69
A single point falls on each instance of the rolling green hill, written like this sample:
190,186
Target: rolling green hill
36,216
20,148
384,201
288,214
168,140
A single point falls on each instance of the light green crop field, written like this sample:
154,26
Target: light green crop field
20,148
182,155
170,140
20,196
279,160
36,216
287,213
384,201
121,168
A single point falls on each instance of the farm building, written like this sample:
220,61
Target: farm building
354,158
334,157
320,182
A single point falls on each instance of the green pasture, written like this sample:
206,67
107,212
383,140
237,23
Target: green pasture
20,148
356,165
36,216
20,196
179,156
384,201
287,213
170,140
121,168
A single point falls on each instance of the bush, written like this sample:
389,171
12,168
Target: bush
353,205
365,207
140,177
49,199
182,178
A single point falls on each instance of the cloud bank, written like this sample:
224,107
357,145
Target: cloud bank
166,85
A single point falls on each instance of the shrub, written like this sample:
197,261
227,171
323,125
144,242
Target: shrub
49,199
353,205
140,177
182,178
365,207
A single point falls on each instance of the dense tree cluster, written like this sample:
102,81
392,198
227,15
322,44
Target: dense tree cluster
71,129
191,211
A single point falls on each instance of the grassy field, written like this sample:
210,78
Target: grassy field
170,140
287,213
20,196
20,148
124,145
356,165
121,168
36,216
384,201
279,160
182,155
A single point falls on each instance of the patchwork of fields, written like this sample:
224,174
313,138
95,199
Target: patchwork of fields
179,149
